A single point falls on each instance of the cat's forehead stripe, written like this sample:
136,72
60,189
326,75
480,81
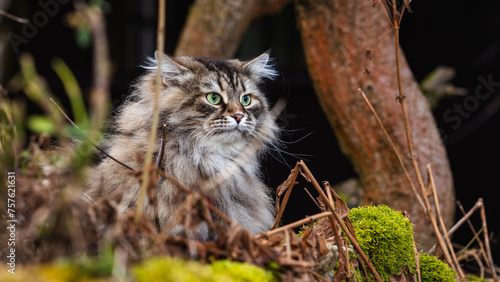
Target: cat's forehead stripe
224,71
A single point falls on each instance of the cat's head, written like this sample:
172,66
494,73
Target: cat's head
217,102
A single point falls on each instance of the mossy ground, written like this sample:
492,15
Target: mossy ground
153,269
386,237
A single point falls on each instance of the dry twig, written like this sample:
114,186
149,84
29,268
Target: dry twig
479,241
394,148
14,18
160,45
487,242
347,231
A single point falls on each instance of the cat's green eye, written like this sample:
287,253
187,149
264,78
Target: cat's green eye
246,100
214,98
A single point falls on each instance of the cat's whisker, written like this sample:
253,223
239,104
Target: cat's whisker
279,151
297,141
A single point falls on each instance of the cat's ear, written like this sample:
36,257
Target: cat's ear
261,67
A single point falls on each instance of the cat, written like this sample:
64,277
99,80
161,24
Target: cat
213,110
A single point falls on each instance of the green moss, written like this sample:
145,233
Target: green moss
386,237
174,269
433,269
473,278
242,271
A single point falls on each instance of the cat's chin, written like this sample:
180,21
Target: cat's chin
233,137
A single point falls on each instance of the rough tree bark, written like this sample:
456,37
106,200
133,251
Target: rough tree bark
342,39
214,27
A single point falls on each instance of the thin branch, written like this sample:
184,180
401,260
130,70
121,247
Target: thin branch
401,99
160,45
394,149
298,223
312,198
479,241
460,222
441,223
88,139
442,244
14,18
466,217
417,260
479,263
487,242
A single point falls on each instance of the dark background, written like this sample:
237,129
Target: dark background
455,33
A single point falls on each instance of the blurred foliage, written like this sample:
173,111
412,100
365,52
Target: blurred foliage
74,269
174,269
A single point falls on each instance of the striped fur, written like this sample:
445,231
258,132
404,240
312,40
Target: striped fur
202,139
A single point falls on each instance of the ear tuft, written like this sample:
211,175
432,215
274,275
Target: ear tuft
170,68
262,67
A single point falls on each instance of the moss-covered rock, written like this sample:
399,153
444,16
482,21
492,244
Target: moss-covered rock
432,269
386,237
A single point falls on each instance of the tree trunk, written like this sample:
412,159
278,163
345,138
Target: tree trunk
214,27
343,40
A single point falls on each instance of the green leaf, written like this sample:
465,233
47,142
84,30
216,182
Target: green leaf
41,124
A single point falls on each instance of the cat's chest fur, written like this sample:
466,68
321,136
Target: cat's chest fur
199,163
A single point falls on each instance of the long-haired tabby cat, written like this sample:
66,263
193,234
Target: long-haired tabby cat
213,110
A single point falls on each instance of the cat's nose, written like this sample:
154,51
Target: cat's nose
237,117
